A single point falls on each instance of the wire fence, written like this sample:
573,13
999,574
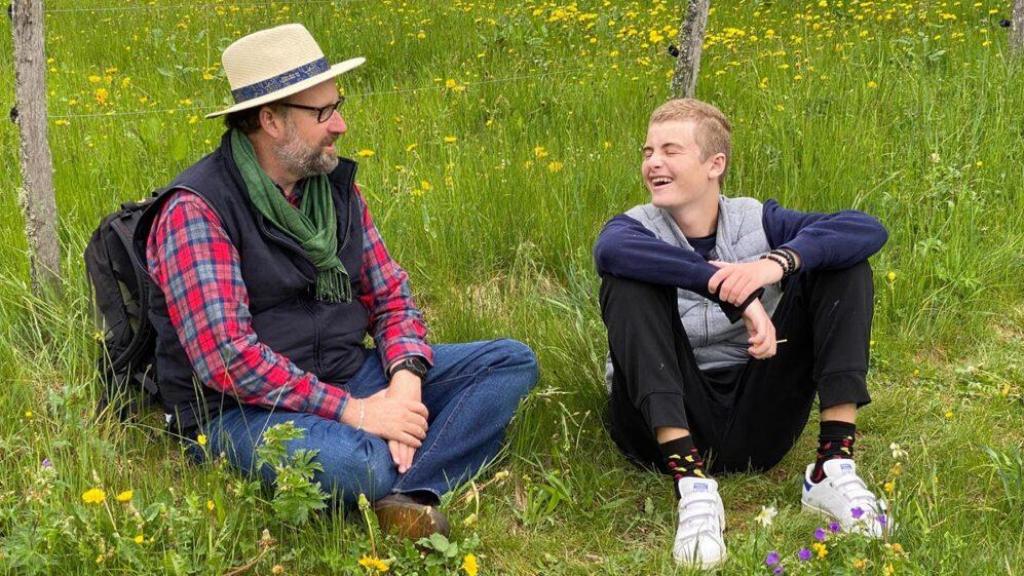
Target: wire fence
433,86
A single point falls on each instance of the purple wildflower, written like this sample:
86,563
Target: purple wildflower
819,534
857,512
778,570
882,520
46,463
804,554
834,527
772,558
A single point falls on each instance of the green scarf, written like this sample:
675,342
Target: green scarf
314,225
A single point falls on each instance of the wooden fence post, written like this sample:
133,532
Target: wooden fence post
691,42
36,195
1017,32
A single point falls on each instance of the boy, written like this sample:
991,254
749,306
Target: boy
692,390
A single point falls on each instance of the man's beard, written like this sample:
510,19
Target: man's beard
303,160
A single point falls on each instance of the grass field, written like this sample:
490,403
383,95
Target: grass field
494,139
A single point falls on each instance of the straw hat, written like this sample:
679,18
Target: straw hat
271,64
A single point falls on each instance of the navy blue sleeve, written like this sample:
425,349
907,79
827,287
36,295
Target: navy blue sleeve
824,241
626,249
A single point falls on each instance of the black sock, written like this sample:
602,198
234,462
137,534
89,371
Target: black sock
682,460
834,441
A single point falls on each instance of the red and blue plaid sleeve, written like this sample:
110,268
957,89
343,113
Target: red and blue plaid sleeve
192,260
395,321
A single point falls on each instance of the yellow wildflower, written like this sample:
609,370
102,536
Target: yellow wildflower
210,505
201,439
374,563
450,139
891,276
139,539
554,167
94,79
860,564
63,122
411,147
101,95
365,153
821,549
469,565
277,569
889,570
872,84
94,496
540,151
889,487
125,496
426,186
29,414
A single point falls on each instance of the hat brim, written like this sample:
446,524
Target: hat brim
336,70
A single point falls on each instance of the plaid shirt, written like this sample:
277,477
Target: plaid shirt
194,263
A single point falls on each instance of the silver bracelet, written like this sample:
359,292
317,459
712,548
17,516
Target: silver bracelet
362,413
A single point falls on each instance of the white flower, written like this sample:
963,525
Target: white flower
897,452
766,516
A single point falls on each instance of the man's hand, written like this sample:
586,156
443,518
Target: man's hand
734,283
392,418
761,330
406,385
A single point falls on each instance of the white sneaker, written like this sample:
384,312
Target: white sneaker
699,542
844,497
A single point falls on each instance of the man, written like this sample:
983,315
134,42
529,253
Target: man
693,390
269,273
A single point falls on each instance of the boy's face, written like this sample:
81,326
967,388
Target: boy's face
672,168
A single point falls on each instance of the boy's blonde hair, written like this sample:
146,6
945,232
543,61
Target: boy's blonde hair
713,132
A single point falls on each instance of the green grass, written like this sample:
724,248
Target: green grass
910,111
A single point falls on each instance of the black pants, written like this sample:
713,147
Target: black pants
749,416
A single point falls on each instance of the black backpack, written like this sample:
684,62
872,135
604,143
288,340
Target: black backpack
120,280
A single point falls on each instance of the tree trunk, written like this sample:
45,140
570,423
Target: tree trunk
1017,33
691,42
36,194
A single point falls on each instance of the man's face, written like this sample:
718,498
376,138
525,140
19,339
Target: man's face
307,147
672,167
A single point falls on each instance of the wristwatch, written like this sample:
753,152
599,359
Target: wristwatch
415,364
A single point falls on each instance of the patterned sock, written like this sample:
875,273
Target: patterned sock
834,441
682,459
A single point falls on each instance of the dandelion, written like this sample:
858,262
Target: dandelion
891,276
374,563
804,554
766,516
201,439
365,153
540,152
139,539
125,496
889,570
821,549
949,414
411,147
554,167
94,496
210,505
860,564
889,487
897,548
772,558
94,79
101,95
426,186
469,565
450,139
872,84
28,414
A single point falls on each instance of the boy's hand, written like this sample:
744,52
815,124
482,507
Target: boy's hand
761,330
734,283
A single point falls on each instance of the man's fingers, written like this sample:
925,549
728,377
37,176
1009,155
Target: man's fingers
418,408
406,438
716,280
718,263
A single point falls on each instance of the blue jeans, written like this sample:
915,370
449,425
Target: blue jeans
471,393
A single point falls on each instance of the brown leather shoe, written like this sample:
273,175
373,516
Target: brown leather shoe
400,514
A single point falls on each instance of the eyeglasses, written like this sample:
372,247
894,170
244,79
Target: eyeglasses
323,113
